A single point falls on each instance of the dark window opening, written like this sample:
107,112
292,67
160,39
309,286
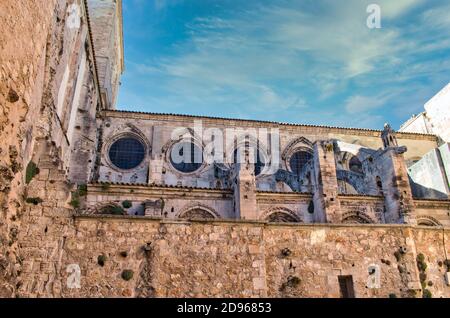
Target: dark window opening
127,153
191,161
355,165
346,286
379,185
299,160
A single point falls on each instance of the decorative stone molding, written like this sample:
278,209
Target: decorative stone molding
298,144
282,213
196,206
426,220
357,217
122,131
167,149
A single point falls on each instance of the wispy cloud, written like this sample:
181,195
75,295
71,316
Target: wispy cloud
302,61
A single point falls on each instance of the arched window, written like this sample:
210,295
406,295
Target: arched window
355,165
127,153
299,160
187,162
197,213
356,218
258,161
281,217
427,221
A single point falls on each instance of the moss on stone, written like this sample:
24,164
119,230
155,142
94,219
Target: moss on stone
427,293
31,171
127,274
127,204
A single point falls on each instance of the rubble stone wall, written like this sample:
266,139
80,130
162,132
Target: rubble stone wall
247,259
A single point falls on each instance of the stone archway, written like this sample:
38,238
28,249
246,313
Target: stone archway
356,218
428,221
198,211
197,214
280,215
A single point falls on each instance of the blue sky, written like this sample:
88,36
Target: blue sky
306,61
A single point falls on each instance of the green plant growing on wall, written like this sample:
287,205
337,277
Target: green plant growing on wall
76,195
127,204
427,293
392,296
31,171
82,190
105,186
127,274
422,267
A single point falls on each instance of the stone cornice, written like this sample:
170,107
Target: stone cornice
432,203
282,197
230,122
109,189
256,223
358,197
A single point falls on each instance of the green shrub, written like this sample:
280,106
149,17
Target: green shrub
75,202
127,274
427,294
421,258
392,296
82,190
423,277
31,171
127,204
421,265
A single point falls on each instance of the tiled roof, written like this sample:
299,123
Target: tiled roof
259,121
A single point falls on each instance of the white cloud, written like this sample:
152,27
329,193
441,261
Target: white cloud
360,104
284,59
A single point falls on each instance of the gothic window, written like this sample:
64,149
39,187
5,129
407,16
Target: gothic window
355,165
259,164
186,162
127,153
299,160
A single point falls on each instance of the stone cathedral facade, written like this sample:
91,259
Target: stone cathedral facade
97,203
